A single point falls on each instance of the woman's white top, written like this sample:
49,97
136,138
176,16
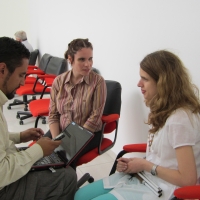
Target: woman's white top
182,128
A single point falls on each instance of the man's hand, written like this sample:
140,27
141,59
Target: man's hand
31,134
48,145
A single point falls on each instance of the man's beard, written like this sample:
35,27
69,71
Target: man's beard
10,95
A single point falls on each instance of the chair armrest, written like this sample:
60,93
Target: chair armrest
32,67
34,70
42,77
188,192
141,148
110,118
44,87
37,72
135,147
46,76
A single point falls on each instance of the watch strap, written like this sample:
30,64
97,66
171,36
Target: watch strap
153,170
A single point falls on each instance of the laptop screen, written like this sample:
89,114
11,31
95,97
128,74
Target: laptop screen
76,138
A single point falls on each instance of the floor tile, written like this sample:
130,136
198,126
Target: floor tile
104,158
98,171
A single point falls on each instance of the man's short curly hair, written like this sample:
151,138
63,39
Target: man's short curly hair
12,52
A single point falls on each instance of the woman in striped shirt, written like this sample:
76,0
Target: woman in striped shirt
79,94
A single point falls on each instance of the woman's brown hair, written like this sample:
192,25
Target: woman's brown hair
174,87
76,45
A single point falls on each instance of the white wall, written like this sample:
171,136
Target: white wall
14,16
122,33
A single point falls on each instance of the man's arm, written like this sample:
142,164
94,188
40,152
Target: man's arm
15,137
14,165
26,136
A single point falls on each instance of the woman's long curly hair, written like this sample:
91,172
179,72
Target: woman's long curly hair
174,87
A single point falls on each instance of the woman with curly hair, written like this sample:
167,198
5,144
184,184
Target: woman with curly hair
173,144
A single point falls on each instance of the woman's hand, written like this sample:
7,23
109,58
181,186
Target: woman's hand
135,165
31,134
122,164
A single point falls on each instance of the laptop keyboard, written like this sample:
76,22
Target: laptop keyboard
53,158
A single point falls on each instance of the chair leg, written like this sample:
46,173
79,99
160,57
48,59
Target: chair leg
15,102
43,120
25,101
120,154
83,179
37,119
26,116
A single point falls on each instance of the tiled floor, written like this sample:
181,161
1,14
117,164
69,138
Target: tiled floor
98,168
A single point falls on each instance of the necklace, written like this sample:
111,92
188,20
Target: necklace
150,140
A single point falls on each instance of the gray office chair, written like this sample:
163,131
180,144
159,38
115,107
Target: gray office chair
33,57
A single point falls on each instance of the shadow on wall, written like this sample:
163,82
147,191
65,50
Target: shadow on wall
132,127
139,116
136,117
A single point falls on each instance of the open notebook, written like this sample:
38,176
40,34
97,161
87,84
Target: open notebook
76,138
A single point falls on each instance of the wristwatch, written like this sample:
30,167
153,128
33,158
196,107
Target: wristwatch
153,170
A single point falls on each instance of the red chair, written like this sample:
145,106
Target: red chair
55,67
32,89
40,70
39,108
188,192
110,120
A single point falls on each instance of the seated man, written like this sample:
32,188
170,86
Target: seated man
16,182
21,36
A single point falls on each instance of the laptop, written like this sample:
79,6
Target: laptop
76,138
